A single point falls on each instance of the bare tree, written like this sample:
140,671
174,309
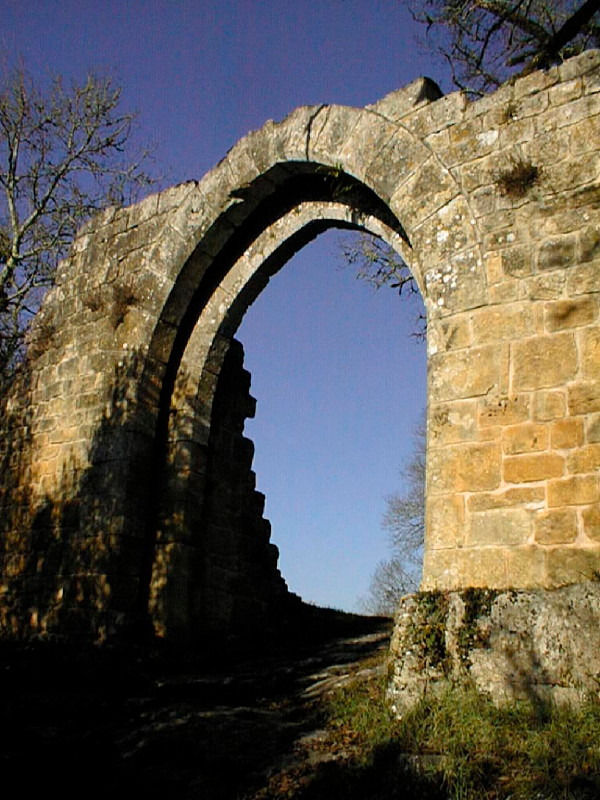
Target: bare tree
485,42
62,157
379,265
388,585
404,521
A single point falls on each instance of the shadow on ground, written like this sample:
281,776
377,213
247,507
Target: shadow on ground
173,722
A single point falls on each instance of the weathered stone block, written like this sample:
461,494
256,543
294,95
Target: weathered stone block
524,438
517,262
583,397
566,91
530,468
465,468
508,498
589,238
484,567
544,361
449,569
469,141
565,563
592,428
548,147
584,64
576,490
589,342
503,410
591,522
449,334
465,373
440,568
484,205
363,143
583,278
397,161
556,526
496,324
557,253
395,105
526,566
564,178
500,527
518,132
511,645
564,314
424,193
565,434
450,423
445,521
585,459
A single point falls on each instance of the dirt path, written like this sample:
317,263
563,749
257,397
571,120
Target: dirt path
175,725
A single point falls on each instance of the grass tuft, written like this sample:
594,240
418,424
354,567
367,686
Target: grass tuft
518,179
457,746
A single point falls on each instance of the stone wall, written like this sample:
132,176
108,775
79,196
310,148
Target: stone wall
538,645
236,584
514,447
494,205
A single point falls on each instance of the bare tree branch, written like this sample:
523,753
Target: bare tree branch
63,156
485,41
404,521
569,31
379,265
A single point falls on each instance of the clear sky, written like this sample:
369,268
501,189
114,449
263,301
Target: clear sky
338,380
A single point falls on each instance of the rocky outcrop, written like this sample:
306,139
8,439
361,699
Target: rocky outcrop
540,645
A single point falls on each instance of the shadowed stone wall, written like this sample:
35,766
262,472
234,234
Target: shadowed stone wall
106,514
237,583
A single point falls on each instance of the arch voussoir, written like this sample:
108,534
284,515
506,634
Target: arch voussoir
367,138
336,126
400,157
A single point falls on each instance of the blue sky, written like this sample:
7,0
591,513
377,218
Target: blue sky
338,380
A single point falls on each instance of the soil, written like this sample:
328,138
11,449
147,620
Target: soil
218,722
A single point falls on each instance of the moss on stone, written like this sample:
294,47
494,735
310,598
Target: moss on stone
477,604
429,632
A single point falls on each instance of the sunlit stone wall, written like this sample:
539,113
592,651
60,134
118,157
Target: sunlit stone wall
514,384
104,440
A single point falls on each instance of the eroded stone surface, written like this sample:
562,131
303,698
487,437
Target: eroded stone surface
539,645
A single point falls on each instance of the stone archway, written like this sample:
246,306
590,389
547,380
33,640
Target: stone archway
494,205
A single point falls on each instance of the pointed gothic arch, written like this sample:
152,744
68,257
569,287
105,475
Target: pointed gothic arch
107,434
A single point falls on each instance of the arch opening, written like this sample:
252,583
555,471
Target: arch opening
316,200
338,396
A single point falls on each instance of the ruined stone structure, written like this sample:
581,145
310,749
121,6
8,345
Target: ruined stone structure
126,485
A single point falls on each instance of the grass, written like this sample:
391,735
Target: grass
518,179
458,746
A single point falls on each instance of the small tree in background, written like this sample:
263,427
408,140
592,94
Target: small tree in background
404,521
64,154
